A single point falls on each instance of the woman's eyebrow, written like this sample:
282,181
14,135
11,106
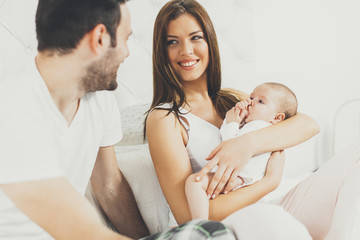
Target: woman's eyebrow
192,33
172,36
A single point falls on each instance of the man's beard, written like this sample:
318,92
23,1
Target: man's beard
101,74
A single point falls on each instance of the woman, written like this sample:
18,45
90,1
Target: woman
188,109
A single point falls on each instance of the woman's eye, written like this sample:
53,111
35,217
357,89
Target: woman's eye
251,98
261,101
196,37
171,42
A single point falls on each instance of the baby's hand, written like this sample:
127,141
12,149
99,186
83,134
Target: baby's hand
233,115
239,112
243,107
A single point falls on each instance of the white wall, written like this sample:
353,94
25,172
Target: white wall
313,46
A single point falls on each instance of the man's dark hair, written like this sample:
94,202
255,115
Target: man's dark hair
61,24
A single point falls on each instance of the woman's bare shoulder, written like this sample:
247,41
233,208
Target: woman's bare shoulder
159,113
160,116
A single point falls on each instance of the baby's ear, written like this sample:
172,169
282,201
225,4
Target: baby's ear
278,118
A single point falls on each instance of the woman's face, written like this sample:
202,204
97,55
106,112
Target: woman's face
187,48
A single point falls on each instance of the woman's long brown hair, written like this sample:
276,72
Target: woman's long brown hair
167,87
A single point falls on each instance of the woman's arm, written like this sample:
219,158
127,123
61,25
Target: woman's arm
285,134
171,161
231,156
166,139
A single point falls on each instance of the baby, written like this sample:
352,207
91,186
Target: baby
269,103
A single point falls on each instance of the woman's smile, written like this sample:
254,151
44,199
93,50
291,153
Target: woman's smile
188,64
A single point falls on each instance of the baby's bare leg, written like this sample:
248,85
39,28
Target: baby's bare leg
196,195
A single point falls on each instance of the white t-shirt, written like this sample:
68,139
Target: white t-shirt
255,168
36,142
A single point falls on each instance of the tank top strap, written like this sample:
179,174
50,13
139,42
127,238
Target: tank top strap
182,114
185,124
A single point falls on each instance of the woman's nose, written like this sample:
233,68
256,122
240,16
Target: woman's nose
187,48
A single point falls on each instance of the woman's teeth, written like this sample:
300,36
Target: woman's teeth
188,64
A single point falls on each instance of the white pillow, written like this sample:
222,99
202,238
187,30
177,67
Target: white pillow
136,165
132,124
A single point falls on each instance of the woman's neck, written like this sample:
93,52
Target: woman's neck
200,103
196,91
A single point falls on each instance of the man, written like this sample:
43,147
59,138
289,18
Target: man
57,129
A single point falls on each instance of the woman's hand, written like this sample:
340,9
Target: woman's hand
229,168
230,156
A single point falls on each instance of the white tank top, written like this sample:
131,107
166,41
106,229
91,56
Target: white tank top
203,137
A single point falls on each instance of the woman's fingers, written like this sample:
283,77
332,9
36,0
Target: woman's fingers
221,184
231,157
214,152
233,181
207,168
213,162
215,181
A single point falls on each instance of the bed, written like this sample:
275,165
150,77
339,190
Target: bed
234,24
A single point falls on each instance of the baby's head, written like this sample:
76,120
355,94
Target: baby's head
272,102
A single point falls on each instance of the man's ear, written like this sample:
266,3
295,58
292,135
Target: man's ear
99,39
278,118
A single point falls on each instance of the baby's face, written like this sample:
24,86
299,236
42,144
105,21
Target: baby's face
265,103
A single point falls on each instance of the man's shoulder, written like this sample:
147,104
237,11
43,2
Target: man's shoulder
101,103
